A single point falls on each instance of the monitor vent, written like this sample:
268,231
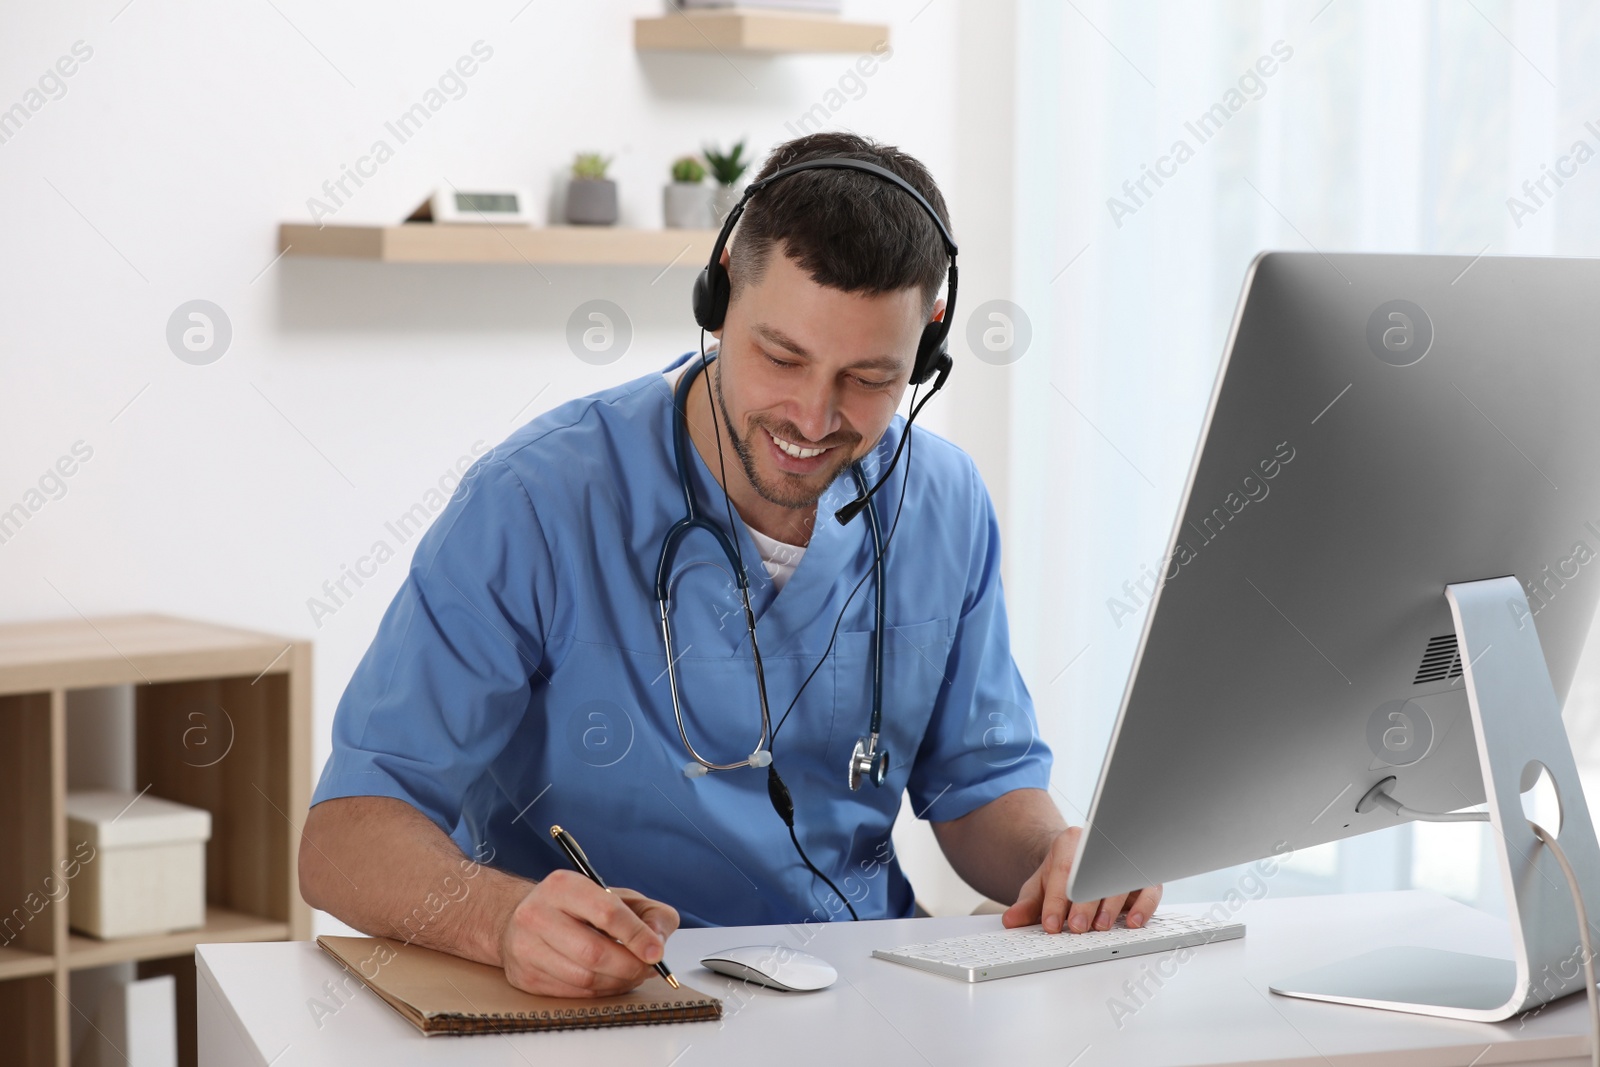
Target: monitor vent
1440,660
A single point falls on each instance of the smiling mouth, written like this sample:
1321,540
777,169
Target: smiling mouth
789,448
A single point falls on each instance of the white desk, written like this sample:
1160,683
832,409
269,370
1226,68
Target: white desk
254,1005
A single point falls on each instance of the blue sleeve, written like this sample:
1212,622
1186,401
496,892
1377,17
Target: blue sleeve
449,675
983,739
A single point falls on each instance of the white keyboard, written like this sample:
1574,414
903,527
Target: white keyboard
1028,949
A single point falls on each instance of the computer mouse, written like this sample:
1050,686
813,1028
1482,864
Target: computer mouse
773,966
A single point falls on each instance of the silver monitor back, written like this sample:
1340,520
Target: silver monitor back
1381,426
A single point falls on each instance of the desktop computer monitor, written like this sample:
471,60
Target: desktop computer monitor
1382,427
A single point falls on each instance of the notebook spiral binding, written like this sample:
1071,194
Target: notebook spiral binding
577,1018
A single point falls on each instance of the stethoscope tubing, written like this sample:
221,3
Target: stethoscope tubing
693,520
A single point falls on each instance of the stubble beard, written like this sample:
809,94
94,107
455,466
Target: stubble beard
792,492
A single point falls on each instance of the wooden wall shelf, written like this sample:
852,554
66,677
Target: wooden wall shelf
257,790
428,242
770,32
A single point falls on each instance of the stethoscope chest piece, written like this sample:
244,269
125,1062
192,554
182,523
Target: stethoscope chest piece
868,763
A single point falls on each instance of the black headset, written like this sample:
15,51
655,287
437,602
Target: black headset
712,288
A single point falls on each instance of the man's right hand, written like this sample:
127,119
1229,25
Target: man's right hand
562,939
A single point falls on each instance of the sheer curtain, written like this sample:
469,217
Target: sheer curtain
1331,124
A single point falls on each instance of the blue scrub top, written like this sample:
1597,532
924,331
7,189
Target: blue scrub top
518,679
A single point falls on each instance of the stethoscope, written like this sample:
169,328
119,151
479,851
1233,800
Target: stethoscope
867,760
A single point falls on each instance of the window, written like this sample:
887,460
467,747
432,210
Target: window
1160,146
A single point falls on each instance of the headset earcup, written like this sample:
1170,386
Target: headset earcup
930,352
711,296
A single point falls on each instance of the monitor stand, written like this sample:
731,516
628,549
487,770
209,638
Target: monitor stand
1518,726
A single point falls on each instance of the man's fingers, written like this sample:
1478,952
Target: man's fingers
1043,898
590,959
1080,916
1053,913
662,918
1142,905
1109,909
569,937
608,913
539,967
1025,912
582,957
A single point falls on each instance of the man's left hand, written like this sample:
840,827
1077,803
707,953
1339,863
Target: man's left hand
1044,896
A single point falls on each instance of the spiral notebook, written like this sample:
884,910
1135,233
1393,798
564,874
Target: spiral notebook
443,994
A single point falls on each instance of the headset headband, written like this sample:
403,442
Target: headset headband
831,163
712,287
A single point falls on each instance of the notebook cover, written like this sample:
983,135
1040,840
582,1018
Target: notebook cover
443,994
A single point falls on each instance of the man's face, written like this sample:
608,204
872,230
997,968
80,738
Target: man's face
809,377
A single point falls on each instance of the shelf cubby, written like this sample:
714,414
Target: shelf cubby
29,1036
28,935
220,719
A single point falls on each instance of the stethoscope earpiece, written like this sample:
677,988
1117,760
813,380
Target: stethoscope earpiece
758,759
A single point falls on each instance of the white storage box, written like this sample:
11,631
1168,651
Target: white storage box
148,871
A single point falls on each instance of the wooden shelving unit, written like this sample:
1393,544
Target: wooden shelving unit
428,242
770,32
257,791
221,925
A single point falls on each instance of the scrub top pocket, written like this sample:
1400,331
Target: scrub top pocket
914,659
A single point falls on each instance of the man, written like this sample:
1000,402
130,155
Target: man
519,678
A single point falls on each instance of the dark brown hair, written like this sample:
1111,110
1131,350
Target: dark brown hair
847,230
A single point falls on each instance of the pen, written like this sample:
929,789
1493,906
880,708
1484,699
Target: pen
569,845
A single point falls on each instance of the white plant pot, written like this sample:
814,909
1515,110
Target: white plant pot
687,206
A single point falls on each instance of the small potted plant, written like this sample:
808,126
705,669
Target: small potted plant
727,168
686,201
591,196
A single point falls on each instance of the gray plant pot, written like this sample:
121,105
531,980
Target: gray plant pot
687,206
592,202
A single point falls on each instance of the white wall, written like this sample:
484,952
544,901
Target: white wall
233,491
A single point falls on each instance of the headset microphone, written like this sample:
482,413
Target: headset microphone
854,508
